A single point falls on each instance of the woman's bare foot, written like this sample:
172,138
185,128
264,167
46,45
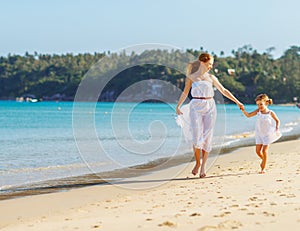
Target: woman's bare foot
202,175
202,171
195,170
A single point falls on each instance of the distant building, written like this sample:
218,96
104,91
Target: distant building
231,72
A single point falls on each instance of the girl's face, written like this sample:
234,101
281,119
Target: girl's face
262,105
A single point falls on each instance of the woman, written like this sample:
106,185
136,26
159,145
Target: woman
201,111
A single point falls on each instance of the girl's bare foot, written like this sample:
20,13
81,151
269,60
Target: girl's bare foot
195,170
262,171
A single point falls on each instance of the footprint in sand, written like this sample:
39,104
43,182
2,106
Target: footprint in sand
168,223
269,214
290,196
226,225
253,198
223,214
195,214
208,228
252,205
230,224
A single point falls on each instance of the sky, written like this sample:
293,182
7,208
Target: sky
88,26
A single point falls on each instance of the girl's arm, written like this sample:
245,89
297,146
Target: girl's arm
184,94
251,113
226,92
274,116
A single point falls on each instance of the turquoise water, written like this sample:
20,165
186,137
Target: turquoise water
52,140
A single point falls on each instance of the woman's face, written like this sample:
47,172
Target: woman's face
209,64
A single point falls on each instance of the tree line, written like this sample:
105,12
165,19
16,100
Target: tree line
245,72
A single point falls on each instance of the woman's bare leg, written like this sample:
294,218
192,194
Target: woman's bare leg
197,160
204,159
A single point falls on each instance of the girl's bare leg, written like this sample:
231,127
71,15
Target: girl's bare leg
197,159
265,158
259,150
204,159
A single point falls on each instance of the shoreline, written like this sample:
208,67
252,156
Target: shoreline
288,104
232,196
92,179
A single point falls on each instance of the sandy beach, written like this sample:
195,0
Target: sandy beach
233,196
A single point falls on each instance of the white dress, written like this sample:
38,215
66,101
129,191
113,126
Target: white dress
199,116
265,129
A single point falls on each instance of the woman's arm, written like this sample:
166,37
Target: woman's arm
184,94
274,116
226,92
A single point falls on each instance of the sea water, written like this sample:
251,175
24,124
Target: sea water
52,140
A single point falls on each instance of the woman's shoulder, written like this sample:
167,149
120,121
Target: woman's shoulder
195,77
213,78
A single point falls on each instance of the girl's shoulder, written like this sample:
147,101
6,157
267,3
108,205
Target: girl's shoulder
256,112
272,113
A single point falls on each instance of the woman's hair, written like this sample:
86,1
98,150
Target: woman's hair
205,57
194,66
265,98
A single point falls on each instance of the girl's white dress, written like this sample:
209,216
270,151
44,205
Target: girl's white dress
199,116
265,129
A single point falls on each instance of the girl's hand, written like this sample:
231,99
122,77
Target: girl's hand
241,106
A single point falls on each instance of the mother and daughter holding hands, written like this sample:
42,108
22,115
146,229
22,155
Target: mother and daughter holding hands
198,118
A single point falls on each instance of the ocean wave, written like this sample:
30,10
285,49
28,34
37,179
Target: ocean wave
291,124
52,168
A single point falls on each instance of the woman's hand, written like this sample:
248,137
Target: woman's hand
178,112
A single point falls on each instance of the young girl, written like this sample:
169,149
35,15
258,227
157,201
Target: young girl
266,129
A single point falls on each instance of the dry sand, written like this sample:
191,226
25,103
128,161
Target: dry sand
232,197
